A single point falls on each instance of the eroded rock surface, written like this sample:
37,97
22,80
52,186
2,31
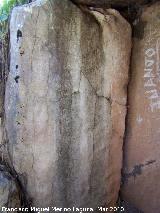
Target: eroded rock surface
66,102
9,195
1,91
103,3
142,146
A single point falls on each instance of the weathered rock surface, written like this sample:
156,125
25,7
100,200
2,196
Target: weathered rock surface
1,92
129,208
9,195
121,3
66,102
142,146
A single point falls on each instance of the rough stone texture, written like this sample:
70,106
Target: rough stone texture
66,102
119,3
1,92
142,146
1,77
129,208
9,196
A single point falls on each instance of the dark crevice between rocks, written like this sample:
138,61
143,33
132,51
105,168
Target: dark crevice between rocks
127,110
128,9
132,10
7,168
125,132
138,29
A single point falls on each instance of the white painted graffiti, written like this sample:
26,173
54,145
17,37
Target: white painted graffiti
151,77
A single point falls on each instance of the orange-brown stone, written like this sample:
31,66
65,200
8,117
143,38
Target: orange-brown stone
142,144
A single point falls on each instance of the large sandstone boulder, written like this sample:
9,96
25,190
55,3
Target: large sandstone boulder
142,147
66,102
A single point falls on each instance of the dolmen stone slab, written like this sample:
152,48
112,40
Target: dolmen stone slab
142,146
65,102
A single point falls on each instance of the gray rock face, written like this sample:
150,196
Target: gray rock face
66,102
9,196
1,90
